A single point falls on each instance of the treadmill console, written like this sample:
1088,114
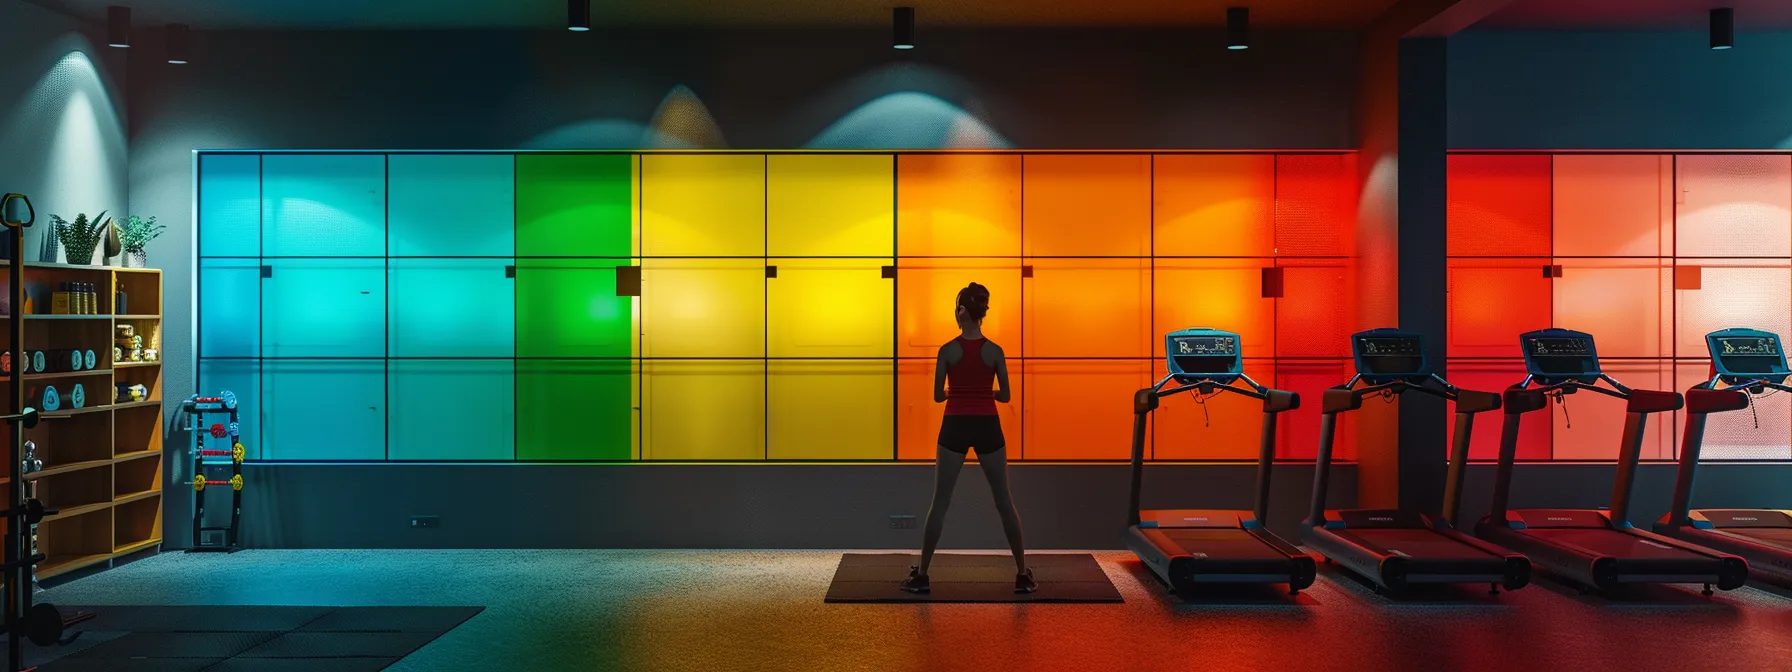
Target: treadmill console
1554,356
1747,355
1202,354
1387,355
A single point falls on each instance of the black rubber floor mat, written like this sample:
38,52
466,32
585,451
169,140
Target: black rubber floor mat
342,645
240,664
1062,577
392,619
203,618
140,665
177,645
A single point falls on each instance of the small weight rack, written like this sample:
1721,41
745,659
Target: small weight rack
197,408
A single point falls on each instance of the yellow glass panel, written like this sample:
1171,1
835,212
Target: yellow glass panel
831,410
1088,205
703,205
829,308
1214,205
703,308
960,205
703,410
1088,308
830,205
927,294
1217,294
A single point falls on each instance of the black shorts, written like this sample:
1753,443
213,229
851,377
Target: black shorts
961,433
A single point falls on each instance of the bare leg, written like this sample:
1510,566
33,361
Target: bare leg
945,476
995,469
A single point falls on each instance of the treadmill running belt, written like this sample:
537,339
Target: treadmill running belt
1613,543
1417,543
1772,536
1222,543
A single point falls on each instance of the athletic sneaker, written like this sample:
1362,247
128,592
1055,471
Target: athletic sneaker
917,582
1024,583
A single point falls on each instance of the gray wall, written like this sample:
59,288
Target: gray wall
62,117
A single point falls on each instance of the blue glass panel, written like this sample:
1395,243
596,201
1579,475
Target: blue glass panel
452,308
229,205
452,205
321,205
229,308
324,410
242,377
324,308
452,410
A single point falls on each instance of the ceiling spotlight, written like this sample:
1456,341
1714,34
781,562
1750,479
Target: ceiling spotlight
178,43
118,27
905,28
1723,28
578,15
1238,28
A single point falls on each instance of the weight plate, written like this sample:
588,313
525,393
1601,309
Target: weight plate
199,483
236,482
93,358
237,452
217,430
229,400
37,361
78,396
75,360
51,400
43,624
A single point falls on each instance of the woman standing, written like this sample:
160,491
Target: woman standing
971,377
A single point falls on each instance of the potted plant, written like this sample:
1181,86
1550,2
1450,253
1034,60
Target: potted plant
134,235
81,236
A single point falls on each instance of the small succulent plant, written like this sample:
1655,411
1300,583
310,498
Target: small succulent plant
81,236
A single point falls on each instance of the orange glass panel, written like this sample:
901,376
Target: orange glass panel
1088,308
1591,426
918,417
1082,410
1314,314
1496,376
1735,435
1088,205
961,205
1297,434
1609,205
1492,301
1621,302
1499,205
1214,205
927,293
1752,294
1218,294
1734,205
1315,204
1230,429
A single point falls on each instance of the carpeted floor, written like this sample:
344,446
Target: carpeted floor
714,611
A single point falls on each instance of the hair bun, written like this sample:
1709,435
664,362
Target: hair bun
974,298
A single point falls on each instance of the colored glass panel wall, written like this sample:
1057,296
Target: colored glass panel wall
1314,193
830,205
1499,205
1223,426
230,205
1614,205
1591,426
1088,308
918,417
1492,301
703,308
703,410
575,409
829,308
1621,302
431,300
1297,432
830,409
703,205
1763,434
1735,293
961,205
230,300
1314,314
1081,409
575,205
451,409
1218,294
1534,437
324,308
1734,205
242,376
1214,205
569,308
323,205
322,409
927,295
1087,205
448,205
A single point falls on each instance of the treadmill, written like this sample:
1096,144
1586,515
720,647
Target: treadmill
1397,548
1746,363
1186,547
1596,549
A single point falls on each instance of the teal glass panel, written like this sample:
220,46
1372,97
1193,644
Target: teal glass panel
452,308
229,308
243,377
569,308
451,410
575,410
229,205
323,409
323,205
452,205
324,308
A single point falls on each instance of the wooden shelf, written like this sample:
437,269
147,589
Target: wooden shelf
63,564
62,374
135,546
130,365
136,270
53,316
134,455
136,317
70,412
136,496
4,263
146,403
72,511
66,468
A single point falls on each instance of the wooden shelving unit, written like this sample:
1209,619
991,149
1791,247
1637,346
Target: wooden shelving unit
102,462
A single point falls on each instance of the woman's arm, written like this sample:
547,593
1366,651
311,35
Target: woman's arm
1001,367
940,365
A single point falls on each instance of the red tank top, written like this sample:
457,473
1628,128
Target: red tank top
970,384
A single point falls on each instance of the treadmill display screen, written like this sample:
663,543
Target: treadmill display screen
1561,356
1390,355
1205,354
1750,354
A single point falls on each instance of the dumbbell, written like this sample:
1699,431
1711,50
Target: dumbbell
77,397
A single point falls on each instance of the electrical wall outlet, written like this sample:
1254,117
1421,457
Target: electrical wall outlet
902,522
425,522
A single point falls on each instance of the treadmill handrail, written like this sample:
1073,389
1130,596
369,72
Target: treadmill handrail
1521,398
1701,401
1274,402
1349,397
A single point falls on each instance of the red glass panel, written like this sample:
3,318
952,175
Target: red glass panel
1499,205
1496,376
1492,301
1315,204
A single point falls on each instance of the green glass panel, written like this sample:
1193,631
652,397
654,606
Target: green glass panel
574,410
569,308
574,205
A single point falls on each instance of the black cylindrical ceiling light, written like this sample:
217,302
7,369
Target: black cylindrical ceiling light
1723,28
1238,28
178,43
578,15
118,27
905,28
